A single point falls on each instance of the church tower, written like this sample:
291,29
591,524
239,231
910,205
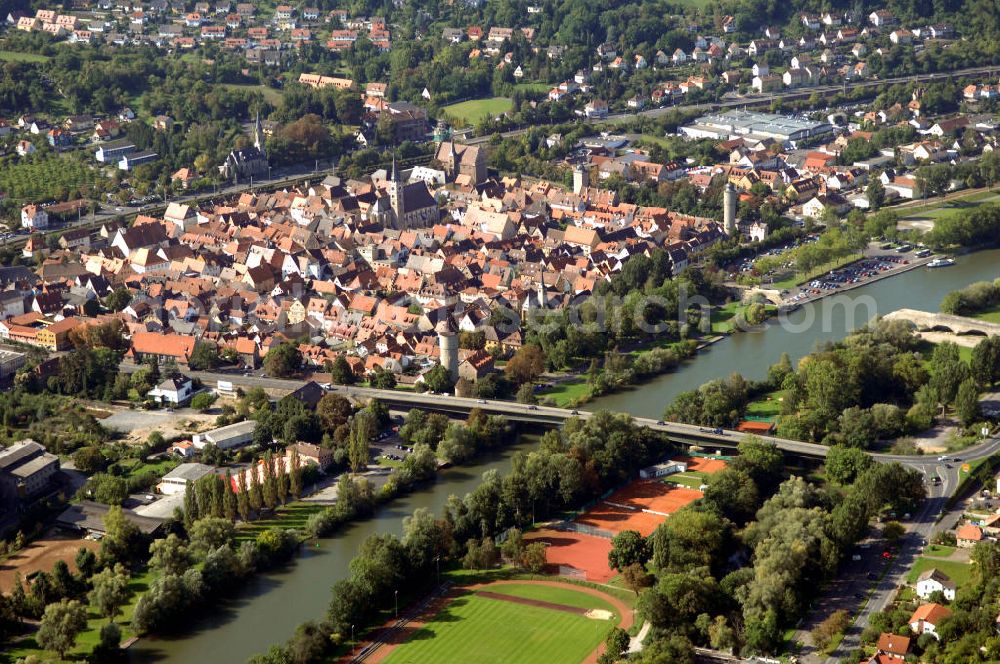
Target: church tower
396,194
258,136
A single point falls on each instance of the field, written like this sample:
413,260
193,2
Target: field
40,555
543,624
41,179
567,393
923,216
959,572
641,505
532,87
17,56
587,553
475,110
768,406
270,95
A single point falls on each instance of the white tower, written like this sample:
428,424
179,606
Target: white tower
448,346
581,178
729,209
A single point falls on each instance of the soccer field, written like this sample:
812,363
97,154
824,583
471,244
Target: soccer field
482,630
475,110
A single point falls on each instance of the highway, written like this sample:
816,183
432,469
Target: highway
684,433
756,99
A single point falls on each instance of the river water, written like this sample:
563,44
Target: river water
272,605
829,319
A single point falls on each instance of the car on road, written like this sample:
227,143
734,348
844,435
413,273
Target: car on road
660,423
532,407
480,400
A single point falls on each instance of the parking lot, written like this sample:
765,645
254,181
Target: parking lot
863,271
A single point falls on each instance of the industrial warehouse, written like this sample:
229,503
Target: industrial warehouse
751,124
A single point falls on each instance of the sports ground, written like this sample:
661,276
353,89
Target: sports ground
641,505
567,549
529,622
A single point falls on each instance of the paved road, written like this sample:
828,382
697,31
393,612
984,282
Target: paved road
107,214
750,100
552,415
853,580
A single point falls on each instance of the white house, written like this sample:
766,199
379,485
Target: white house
33,217
176,480
928,617
174,390
932,581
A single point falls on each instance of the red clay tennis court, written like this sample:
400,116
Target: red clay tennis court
703,464
583,552
623,510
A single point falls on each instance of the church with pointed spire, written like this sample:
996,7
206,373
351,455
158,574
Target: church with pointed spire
242,164
405,204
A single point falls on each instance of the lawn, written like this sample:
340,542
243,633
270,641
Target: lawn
768,406
466,630
939,550
938,209
17,56
129,468
567,392
724,317
532,87
90,637
270,95
293,515
691,479
959,572
567,596
475,110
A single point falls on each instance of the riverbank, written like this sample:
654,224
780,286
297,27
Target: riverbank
269,606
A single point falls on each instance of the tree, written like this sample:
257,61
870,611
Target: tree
362,431
526,394
295,474
947,372
118,299
526,365
967,402
61,623
341,372
834,624
438,380
169,555
628,547
211,533
89,460
893,530
108,489
533,559
333,410
204,356
203,401
617,642
844,464
876,194
636,577
283,360
120,536
110,591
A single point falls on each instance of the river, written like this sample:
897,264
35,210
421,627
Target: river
829,319
272,605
